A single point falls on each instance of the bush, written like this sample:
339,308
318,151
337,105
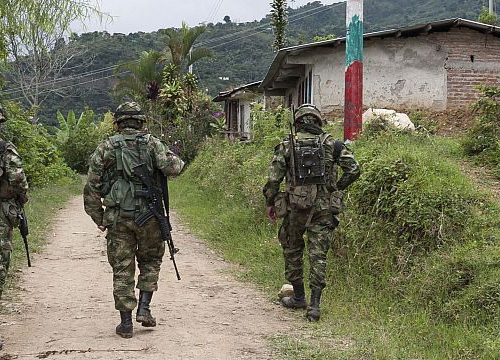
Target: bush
42,162
78,138
78,147
482,141
243,165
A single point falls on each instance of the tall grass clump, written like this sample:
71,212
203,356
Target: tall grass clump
482,141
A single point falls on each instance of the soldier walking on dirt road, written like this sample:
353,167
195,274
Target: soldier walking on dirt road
309,160
13,188
113,183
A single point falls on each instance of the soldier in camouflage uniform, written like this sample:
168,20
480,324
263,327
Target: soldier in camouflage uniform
308,205
111,184
13,187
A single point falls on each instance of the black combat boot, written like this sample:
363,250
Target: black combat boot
298,300
143,313
125,329
312,313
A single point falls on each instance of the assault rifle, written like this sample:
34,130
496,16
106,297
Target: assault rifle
153,196
291,144
23,229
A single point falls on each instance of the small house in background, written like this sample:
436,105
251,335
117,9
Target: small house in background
237,106
433,66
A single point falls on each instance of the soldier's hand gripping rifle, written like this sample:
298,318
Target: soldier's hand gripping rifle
154,197
23,229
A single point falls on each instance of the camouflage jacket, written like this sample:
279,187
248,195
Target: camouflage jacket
280,168
13,181
103,163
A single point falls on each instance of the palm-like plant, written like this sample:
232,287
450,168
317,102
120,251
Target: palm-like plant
144,81
70,124
180,45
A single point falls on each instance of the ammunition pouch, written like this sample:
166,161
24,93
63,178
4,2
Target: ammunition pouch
11,211
7,191
336,202
123,198
302,197
281,204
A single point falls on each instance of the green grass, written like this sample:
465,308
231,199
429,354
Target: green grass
414,270
40,211
230,227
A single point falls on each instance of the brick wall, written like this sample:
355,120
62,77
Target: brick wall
473,58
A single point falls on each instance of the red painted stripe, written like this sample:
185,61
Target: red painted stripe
353,108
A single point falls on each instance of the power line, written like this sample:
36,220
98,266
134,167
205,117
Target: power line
294,18
73,85
211,15
67,78
262,31
217,11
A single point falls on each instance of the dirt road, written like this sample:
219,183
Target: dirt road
65,310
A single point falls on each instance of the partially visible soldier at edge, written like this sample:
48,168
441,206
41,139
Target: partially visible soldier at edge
310,204
13,188
111,183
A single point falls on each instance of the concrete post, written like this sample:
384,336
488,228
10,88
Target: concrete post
353,105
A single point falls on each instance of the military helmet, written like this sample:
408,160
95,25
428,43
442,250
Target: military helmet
129,110
3,115
308,113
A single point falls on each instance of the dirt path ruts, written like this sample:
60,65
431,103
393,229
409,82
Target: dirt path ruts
66,309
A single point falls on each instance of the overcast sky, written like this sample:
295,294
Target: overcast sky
151,15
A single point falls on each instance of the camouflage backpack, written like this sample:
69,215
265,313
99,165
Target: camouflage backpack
310,160
310,169
130,151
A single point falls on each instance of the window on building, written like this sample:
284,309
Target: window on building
310,87
304,92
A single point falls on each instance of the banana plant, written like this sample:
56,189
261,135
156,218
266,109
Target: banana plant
70,124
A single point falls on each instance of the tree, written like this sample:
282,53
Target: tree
144,81
279,20
488,18
36,75
227,19
32,37
180,45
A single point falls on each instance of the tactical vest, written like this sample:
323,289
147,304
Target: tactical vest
130,151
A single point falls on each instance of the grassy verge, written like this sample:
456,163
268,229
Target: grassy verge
414,268
232,228
40,210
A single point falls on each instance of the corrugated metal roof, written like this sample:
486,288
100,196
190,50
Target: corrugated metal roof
227,94
413,30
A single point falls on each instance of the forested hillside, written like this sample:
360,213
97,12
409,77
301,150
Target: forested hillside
242,51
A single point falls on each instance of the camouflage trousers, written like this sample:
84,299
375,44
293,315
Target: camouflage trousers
319,233
5,250
126,244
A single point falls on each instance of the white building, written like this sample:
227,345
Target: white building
237,107
429,66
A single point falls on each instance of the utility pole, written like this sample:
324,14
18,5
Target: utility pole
353,103
190,68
